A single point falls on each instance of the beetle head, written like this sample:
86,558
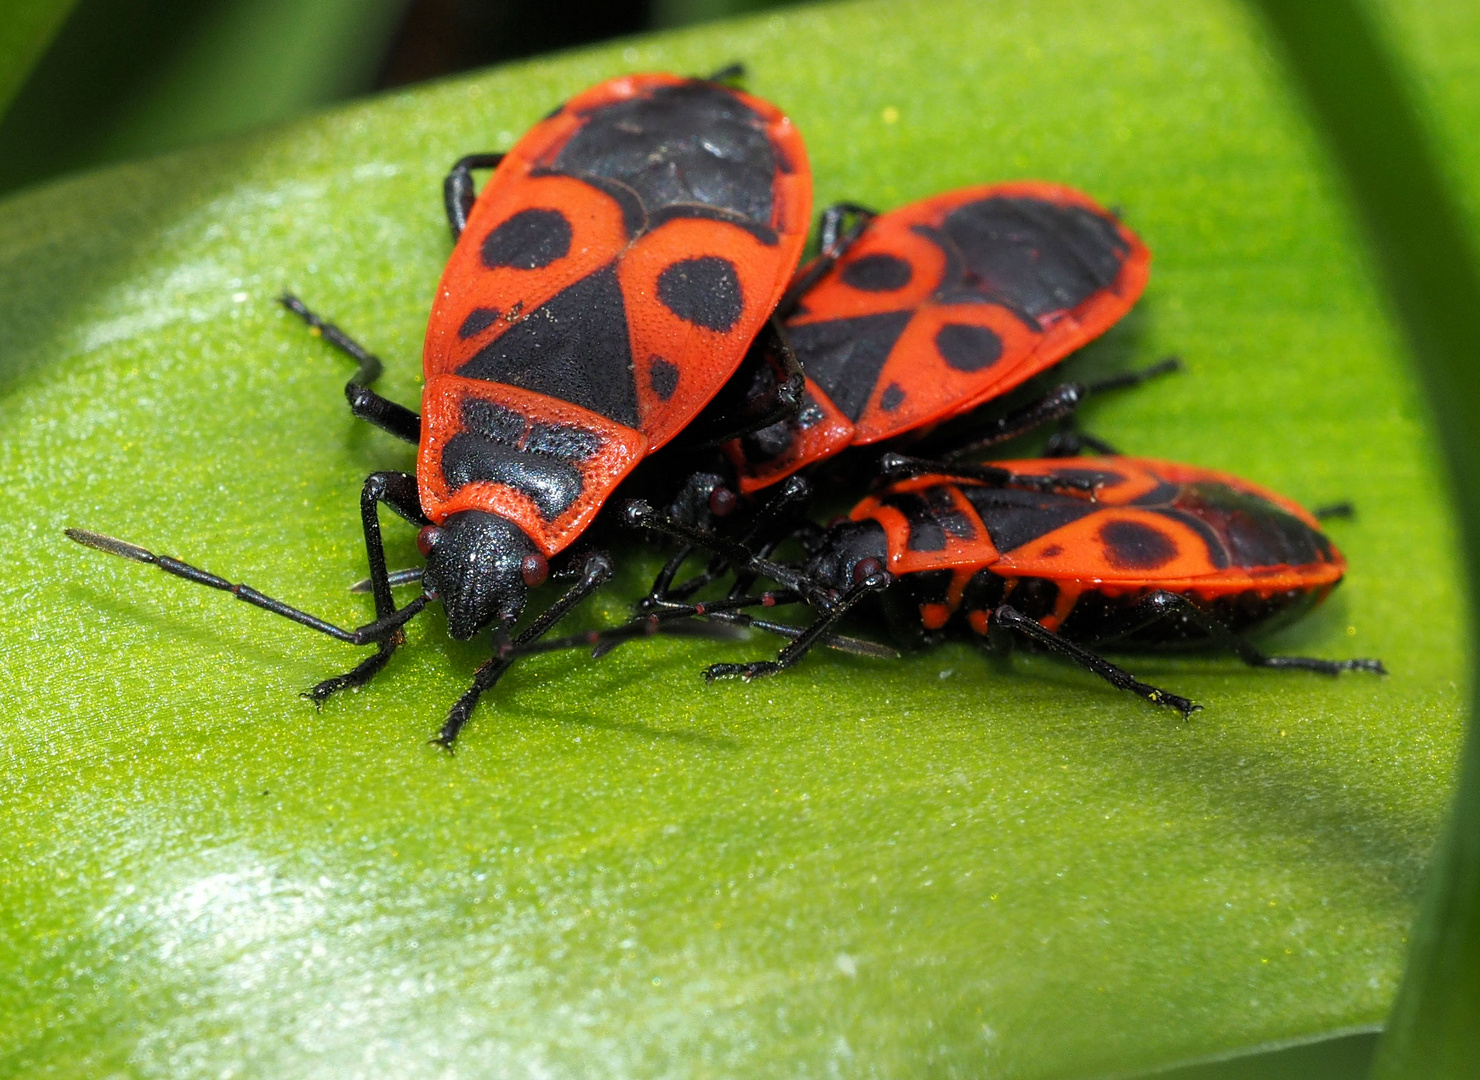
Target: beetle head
481,567
850,552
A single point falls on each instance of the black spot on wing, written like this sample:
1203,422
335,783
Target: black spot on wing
1029,255
573,347
1217,551
877,273
704,291
694,144
662,377
1134,545
1254,531
1014,518
478,320
892,397
529,240
845,356
968,348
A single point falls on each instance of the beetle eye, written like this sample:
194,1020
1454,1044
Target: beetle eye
865,569
535,569
721,501
427,539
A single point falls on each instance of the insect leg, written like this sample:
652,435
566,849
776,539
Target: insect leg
365,403
1057,404
458,193
672,616
639,514
1126,380
791,497
1011,619
730,75
384,626
1172,607
1343,510
804,641
1069,441
900,465
839,226
397,491
596,572
766,389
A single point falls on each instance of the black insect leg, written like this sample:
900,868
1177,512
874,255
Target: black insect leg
839,228
1007,618
639,514
1127,380
1069,441
766,388
405,576
804,641
1342,510
1059,404
397,491
458,192
671,616
365,403
384,626
900,465
730,75
1173,609
596,571
791,497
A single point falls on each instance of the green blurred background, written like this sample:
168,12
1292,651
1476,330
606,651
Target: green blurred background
125,78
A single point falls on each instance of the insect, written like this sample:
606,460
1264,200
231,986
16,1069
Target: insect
605,284
917,317
1164,556
924,313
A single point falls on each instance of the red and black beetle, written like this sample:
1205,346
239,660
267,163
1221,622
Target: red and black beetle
1164,556
605,284
921,314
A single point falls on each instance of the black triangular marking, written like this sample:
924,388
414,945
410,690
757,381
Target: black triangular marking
691,145
573,347
1030,255
1014,518
845,356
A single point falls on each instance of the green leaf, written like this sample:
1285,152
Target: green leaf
24,32
936,866
1430,272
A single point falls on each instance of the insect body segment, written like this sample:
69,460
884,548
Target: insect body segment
940,306
1246,556
605,284
609,279
1163,556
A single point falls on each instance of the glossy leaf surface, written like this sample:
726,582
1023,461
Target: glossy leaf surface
940,866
